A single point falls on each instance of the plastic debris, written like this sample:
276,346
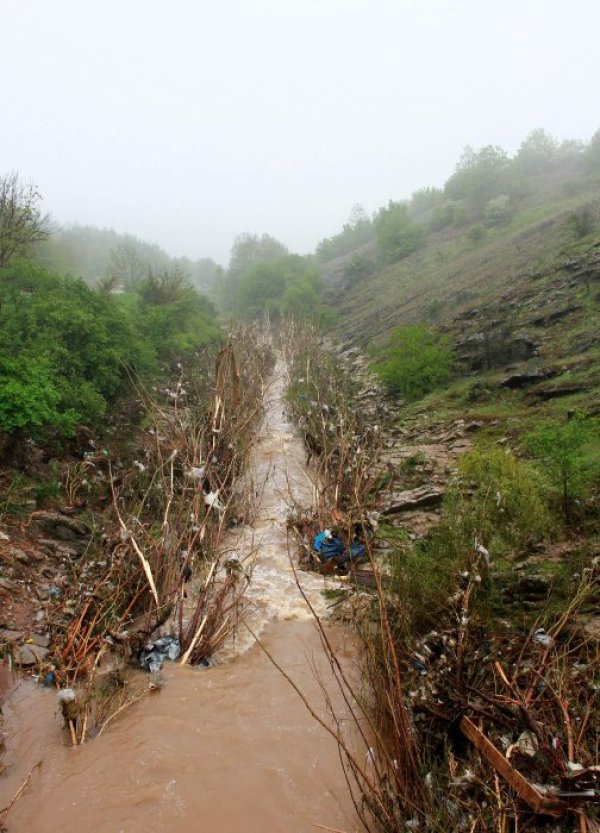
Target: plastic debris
542,638
527,744
212,500
65,695
152,657
197,472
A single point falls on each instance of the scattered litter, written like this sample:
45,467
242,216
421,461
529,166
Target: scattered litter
212,499
197,472
540,636
527,744
152,658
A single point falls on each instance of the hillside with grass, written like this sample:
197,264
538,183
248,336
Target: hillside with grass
486,319
459,269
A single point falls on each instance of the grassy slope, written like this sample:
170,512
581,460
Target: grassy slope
515,282
451,274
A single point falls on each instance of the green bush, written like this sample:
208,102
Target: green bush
498,499
449,213
498,211
414,361
498,502
66,351
397,236
477,233
583,221
570,454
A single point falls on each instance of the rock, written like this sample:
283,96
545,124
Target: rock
11,635
522,380
556,315
532,588
61,527
412,499
29,655
19,555
555,393
42,640
471,427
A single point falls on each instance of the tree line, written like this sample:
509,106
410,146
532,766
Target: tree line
69,351
485,188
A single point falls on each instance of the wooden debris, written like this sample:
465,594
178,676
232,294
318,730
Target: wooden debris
545,805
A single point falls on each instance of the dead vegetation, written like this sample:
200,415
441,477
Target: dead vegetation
484,719
153,561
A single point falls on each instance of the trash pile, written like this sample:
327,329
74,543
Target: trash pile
508,718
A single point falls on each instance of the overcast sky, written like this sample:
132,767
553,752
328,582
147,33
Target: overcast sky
188,122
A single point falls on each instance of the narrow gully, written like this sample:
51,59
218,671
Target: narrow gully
232,748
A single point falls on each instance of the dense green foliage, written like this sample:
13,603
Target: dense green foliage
487,187
264,279
288,285
570,454
122,260
414,361
499,503
355,233
249,252
22,222
66,351
397,235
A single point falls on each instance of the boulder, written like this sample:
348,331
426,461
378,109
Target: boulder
533,587
61,527
556,392
29,655
412,499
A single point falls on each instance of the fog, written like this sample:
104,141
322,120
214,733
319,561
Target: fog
189,122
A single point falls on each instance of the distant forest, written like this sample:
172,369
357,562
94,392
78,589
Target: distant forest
486,190
103,255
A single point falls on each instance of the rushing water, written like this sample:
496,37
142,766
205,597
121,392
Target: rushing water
231,748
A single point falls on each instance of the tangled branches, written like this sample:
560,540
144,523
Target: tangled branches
157,554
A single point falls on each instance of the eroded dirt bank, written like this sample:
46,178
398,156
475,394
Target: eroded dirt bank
226,749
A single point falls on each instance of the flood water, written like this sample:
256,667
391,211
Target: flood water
230,748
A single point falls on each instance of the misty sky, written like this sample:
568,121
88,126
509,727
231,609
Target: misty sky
188,122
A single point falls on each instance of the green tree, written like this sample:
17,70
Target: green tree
569,453
360,266
591,155
397,236
22,222
355,233
424,200
65,350
414,361
498,211
480,176
173,317
448,213
537,153
248,252
127,266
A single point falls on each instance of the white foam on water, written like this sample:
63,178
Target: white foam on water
282,482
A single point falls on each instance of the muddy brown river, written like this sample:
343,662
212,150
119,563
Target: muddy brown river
229,749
